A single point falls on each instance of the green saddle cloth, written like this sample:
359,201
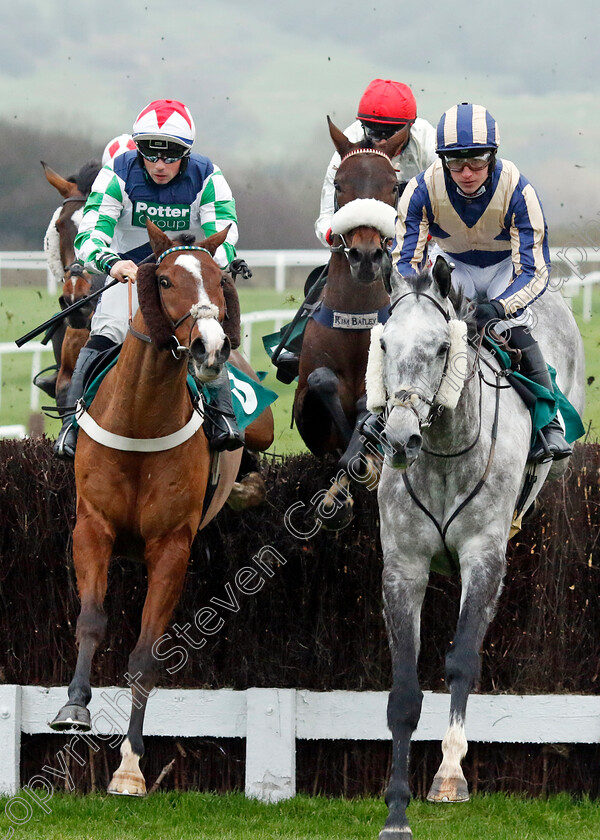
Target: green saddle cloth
293,341
250,398
544,404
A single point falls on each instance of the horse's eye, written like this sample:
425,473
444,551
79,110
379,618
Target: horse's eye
444,348
382,344
164,282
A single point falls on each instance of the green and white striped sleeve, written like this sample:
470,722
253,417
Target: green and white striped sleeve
216,211
101,213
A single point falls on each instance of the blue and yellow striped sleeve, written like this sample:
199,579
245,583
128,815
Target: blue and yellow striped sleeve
409,248
529,246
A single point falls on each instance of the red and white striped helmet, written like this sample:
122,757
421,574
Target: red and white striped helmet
116,146
165,119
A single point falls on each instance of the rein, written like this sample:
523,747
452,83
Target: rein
408,402
443,530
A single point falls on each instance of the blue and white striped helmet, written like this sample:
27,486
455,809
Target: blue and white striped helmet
467,128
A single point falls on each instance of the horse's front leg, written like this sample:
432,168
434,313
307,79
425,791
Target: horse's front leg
482,574
324,388
166,559
92,548
403,592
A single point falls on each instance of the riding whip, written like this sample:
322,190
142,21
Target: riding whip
61,315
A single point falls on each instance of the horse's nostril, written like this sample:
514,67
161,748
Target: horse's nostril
354,255
413,446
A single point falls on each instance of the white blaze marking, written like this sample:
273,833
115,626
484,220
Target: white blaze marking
210,330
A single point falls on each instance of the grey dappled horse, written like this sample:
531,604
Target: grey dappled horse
444,452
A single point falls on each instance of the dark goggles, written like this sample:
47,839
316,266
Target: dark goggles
167,152
383,132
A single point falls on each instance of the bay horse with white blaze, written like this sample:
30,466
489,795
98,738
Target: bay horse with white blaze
329,397
142,468
456,438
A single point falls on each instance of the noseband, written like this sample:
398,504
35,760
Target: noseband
343,248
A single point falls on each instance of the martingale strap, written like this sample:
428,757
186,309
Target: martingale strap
338,320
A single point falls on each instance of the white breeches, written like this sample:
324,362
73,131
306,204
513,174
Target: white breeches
111,317
488,282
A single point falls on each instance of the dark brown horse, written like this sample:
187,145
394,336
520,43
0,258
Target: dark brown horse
331,383
148,504
76,282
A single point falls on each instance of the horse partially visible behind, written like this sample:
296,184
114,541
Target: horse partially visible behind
142,480
75,281
330,397
457,438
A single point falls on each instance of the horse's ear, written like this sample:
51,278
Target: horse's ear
159,241
442,272
397,141
396,284
212,243
340,141
67,189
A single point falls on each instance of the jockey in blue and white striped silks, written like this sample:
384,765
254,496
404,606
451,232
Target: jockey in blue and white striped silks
496,237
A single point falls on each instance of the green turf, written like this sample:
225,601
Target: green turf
21,309
195,816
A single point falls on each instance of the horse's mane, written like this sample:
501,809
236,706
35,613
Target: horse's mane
365,143
149,300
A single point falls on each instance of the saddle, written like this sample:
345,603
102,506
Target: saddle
542,404
249,398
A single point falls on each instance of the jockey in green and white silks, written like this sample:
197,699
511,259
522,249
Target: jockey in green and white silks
483,216
198,201
181,193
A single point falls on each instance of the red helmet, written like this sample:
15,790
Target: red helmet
386,101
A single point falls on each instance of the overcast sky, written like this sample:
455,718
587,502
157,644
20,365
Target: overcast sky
260,77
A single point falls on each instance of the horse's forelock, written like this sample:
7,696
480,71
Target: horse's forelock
423,283
419,283
149,300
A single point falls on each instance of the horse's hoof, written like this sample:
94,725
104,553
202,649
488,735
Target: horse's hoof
124,783
335,519
449,790
251,491
72,717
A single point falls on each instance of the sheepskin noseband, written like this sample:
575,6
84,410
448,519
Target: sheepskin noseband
365,212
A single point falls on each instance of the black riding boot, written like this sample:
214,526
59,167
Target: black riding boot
66,441
220,425
550,443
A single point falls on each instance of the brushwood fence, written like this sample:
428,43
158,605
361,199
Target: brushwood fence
315,626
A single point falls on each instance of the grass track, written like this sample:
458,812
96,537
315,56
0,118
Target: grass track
199,816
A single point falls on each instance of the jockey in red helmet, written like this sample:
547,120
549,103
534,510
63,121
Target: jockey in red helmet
384,108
